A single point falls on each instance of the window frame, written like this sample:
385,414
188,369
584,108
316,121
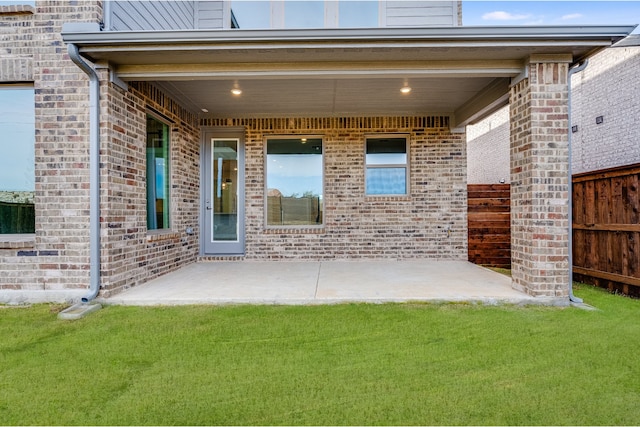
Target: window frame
406,166
168,186
267,226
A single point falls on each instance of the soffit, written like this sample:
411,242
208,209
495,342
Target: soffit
338,72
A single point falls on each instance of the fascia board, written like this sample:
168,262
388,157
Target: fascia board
469,34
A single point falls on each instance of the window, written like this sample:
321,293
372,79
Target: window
303,14
387,171
294,182
17,163
261,14
157,174
354,14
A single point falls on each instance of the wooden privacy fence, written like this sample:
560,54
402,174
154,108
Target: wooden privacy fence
17,218
489,208
294,210
606,229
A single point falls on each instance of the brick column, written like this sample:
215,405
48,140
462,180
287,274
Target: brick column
539,181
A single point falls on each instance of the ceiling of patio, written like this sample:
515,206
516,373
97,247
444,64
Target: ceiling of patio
325,96
462,72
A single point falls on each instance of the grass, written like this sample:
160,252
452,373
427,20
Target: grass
360,364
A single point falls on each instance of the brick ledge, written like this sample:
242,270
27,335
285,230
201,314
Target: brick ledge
17,9
17,241
162,235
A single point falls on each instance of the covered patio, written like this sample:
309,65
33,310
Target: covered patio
329,282
342,88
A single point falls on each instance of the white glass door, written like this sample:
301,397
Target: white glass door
224,195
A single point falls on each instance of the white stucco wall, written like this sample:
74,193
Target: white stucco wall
608,87
488,149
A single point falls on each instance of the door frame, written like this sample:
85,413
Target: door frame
206,168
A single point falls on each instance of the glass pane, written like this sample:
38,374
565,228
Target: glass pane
386,151
358,14
303,14
294,182
386,181
17,163
157,174
225,190
252,14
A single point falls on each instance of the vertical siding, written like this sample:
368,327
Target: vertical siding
211,15
151,15
419,13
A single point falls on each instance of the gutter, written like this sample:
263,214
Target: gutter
572,297
86,35
94,172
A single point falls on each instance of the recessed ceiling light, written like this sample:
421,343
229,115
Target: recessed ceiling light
204,110
236,91
405,89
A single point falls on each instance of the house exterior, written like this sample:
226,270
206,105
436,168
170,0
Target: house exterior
607,87
165,135
604,133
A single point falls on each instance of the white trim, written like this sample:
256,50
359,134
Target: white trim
277,14
535,35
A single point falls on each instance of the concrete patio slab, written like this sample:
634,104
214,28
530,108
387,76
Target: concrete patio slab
248,282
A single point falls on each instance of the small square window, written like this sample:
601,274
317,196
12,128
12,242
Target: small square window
387,166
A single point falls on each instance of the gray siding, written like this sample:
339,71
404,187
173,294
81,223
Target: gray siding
211,15
419,13
151,15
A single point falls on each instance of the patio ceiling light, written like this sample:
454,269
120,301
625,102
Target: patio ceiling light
405,89
236,91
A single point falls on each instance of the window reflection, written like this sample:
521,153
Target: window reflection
252,14
17,163
387,169
157,174
303,14
294,182
293,14
358,14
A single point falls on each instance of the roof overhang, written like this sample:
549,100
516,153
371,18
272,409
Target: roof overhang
464,72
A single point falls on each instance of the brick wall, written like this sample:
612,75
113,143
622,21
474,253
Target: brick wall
57,257
131,254
16,43
358,226
488,149
539,181
608,87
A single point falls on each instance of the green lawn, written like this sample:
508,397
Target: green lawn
344,364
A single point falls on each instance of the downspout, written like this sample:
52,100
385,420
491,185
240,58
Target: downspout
572,297
94,172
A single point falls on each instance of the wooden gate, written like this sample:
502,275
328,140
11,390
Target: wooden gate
489,208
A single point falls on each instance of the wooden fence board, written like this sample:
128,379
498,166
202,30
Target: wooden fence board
489,224
606,228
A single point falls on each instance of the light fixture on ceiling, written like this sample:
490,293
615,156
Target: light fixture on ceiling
303,140
405,89
236,91
204,110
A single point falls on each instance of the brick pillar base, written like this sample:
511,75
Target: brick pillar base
539,181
